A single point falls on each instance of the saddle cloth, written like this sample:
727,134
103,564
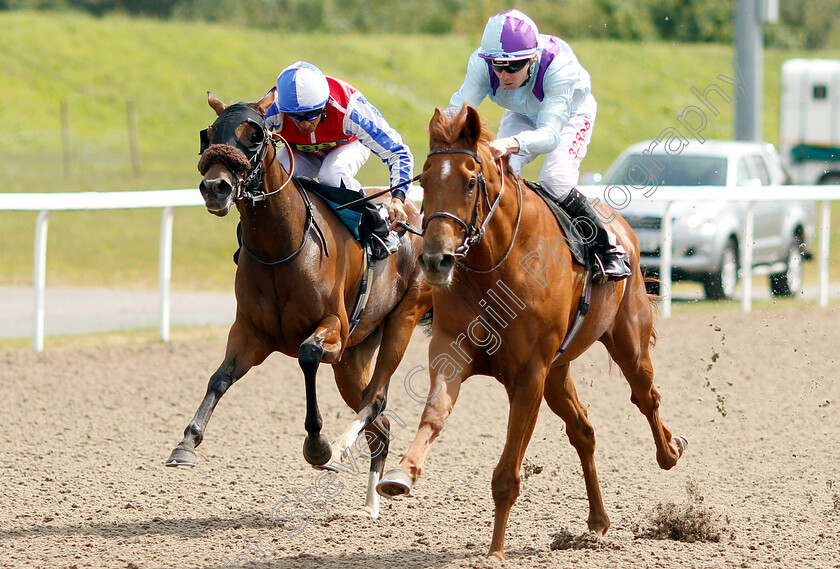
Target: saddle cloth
576,244
353,216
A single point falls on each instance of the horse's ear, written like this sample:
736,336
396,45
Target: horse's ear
215,103
471,131
434,125
264,103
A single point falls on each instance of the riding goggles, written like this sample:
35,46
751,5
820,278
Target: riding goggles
306,115
509,66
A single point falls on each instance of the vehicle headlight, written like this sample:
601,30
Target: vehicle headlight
696,222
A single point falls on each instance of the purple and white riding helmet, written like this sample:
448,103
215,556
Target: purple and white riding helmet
509,36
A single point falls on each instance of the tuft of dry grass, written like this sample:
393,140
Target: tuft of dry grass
689,522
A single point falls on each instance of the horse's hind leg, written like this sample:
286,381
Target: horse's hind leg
395,334
561,396
243,352
323,345
629,346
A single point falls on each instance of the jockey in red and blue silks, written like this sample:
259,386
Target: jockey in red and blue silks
332,129
550,111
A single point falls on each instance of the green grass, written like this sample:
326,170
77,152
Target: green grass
96,65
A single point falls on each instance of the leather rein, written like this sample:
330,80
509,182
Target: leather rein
246,189
473,232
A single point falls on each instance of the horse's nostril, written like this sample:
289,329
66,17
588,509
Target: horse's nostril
215,188
436,263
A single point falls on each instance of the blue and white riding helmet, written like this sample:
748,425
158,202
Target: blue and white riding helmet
302,88
509,36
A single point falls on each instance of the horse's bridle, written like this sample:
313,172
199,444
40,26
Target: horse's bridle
248,183
473,232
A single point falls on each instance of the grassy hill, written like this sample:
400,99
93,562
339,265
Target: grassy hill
94,66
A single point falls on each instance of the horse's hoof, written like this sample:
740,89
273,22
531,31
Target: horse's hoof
181,457
394,483
682,444
328,467
317,451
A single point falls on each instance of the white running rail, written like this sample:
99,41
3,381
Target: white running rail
44,203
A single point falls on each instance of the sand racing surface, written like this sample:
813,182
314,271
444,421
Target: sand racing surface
84,434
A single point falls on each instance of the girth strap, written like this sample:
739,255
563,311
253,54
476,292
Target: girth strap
364,292
580,317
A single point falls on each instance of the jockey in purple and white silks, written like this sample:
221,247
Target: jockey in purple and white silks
332,129
550,111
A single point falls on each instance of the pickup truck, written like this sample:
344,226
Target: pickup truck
707,235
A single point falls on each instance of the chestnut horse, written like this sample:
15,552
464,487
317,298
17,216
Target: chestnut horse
506,294
298,279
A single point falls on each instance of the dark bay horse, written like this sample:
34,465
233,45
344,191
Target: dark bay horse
298,280
506,293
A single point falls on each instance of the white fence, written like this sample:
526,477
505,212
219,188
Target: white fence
170,199
45,203
752,195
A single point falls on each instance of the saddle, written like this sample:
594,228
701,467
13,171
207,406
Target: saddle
580,253
367,221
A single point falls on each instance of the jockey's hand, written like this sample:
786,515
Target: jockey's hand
275,136
396,213
503,146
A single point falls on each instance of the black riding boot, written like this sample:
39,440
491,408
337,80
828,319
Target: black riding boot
383,241
611,261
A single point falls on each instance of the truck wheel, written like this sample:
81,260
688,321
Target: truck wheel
722,284
789,283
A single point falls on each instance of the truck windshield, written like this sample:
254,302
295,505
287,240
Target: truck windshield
664,170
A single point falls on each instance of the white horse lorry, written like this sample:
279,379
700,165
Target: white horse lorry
809,125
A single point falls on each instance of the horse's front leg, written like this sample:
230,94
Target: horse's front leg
444,387
324,345
243,352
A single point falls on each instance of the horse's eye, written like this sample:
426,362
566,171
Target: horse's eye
471,184
256,137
